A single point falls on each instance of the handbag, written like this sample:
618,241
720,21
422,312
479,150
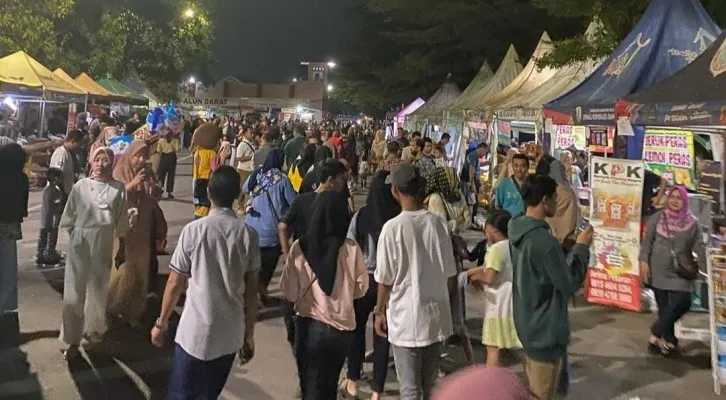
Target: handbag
683,261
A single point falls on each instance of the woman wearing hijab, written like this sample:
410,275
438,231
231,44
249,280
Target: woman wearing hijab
673,230
300,167
103,140
365,228
12,212
349,154
567,216
572,171
483,383
310,181
324,273
271,194
446,200
130,278
378,148
95,213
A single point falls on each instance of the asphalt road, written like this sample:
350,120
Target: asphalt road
608,351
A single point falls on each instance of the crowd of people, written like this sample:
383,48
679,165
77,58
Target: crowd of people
265,192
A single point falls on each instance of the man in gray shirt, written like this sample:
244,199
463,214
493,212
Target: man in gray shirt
267,144
220,258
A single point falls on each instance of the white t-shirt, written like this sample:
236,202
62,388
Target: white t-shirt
214,253
246,149
414,256
63,160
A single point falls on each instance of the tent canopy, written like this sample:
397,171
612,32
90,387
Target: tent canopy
118,87
696,95
670,34
19,72
442,98
530,78
507,72
92,87
413,106
134,82
67,78
477,83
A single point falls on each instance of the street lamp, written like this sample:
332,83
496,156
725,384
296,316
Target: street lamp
192,80
294,79
330,88
331,64
299,109
189,13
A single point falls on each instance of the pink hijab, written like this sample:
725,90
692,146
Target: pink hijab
483,383
105,174
678,221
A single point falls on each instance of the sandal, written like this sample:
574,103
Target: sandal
654,345
343,391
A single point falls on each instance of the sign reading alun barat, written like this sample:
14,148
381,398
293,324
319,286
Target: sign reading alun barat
242,102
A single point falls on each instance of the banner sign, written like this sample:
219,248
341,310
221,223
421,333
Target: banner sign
504,133
617,188
709,183
72,116
669,153
567,136
122,109
716,267
601,140
520,114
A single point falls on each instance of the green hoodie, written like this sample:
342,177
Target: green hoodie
544,281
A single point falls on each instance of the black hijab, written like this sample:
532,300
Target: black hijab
325,235
275,160
380,207
307,158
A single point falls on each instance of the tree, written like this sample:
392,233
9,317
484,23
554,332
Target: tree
408,47
617,17
29,24
152,38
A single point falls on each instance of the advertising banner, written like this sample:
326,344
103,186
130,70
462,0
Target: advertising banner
601,140
504,133
567,136
716,263
709,183
617,188
669,153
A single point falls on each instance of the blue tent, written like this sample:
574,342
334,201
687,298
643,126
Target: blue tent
669,35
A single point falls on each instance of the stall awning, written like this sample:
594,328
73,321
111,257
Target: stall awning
67,79
22,74
118,87
92,87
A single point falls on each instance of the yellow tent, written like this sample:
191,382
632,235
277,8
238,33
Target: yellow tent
67,78
20,69
92,87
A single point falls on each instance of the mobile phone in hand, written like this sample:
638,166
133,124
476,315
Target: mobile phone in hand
584,223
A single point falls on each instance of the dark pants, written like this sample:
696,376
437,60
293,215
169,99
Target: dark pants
672,305
47,240
194,379
167,170
268,260
381,348
289,317
320,351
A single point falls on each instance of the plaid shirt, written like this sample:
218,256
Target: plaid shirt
389,163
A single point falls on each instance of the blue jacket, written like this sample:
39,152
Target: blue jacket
268,207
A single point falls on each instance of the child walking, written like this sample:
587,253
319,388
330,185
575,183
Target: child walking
497,274
50,215
364,170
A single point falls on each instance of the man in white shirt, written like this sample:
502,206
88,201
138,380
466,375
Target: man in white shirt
62,159
415,269
245,164
219,256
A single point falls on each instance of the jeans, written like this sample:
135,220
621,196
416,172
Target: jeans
417,369
672,305
268,262
356,352
8,275
194,379
320,350
47,241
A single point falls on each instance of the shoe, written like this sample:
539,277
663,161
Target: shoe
653,348
170,196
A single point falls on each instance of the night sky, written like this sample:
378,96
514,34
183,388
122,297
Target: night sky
266,40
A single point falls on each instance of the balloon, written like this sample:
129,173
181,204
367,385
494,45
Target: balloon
154,119
120,144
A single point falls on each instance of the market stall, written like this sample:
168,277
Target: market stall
429,117
400,118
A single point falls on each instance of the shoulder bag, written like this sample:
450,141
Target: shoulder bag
683,261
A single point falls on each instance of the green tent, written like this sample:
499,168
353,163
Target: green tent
118,87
